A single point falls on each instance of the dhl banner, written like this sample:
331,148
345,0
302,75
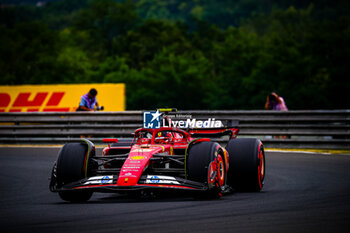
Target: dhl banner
59,98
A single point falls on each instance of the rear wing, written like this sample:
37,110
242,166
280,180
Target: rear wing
229,127
206,128
214,133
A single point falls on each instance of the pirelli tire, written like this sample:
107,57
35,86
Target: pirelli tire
205,164
70,167
247,164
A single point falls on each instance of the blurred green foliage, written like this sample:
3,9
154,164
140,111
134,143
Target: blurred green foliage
196,54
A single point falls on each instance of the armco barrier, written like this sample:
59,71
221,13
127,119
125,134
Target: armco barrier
324,129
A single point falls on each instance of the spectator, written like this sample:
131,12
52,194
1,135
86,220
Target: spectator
88,101
275,102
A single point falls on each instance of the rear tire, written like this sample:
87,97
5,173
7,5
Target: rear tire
71,167
203,159
247,164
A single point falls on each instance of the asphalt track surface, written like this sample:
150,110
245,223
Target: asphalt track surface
302,193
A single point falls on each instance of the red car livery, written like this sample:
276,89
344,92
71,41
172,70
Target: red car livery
162,159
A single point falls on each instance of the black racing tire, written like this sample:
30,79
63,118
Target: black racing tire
247,164
70,168
200,156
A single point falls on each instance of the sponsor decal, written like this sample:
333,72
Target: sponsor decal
141,150
153,179
59,98
99,180
127,167
134,161
32,102
137,157
106,180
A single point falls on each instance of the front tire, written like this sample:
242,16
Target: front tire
72,165
205,164
247,164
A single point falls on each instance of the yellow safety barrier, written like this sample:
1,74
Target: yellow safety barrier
59,98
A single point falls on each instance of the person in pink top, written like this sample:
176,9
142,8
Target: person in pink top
275,102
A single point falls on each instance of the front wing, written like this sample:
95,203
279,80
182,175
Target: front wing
108,183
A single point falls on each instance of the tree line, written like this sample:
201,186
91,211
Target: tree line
184,54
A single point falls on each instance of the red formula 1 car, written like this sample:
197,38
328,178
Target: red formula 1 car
167,158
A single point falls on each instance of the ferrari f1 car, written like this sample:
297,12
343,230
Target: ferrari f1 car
167,158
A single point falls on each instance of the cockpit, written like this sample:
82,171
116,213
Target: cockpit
159,136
